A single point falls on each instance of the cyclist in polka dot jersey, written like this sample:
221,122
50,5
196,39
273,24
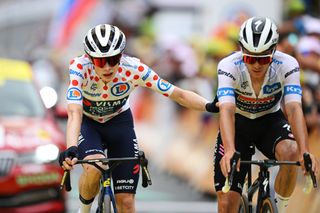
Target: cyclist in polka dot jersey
104,99
99,115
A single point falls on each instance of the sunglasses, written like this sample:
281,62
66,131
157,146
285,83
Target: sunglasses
101,62
261,59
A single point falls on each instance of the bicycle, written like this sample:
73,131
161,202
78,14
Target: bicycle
265,202
106,199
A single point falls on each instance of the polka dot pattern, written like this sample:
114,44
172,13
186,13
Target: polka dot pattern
75,82
141,68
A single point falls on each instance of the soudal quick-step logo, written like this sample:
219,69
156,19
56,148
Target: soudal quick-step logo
120,89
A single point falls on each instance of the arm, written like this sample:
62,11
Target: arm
73,124
227,131
188,99
299,130
69,157
298,125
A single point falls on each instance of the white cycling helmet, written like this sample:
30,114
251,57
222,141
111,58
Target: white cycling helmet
258,34
104,40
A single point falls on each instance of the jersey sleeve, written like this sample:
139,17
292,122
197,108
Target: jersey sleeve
226,81
74,92
148,78
292,88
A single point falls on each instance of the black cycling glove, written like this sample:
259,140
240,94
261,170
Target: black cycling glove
211,107
71,152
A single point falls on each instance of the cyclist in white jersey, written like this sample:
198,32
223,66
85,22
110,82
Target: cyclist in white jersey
101,81
252,85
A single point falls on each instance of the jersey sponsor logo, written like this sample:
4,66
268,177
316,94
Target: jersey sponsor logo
74,93
239,62
146,75
292,89
244,84
225,91
276,61
221,72
92,94
74,72
256,105
120,89
103,108
130,65
94,86
244,92
163,85
268,89
291,72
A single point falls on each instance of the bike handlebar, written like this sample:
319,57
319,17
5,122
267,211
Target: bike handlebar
269,163
146,178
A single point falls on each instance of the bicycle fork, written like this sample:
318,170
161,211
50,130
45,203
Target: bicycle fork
106,195
262,185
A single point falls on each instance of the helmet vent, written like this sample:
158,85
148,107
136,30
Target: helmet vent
103,30
269,36
256,39
88,44
119,41
244,35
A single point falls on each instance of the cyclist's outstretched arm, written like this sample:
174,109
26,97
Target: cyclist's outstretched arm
227,131
188,99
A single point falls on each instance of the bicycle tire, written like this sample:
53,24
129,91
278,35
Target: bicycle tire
244,204
268,206
107,204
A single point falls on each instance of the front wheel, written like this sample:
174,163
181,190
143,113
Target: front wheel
268,206
244,205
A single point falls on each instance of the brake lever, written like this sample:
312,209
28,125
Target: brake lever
228,183
308,166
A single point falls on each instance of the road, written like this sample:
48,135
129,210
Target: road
167,194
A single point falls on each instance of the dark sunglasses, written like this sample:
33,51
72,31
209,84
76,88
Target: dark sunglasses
101,62
261,59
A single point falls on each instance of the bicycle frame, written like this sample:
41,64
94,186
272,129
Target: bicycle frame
262,183
106,195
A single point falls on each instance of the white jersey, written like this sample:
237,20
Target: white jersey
102,101
282,81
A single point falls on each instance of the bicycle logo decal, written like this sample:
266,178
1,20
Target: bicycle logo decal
107,182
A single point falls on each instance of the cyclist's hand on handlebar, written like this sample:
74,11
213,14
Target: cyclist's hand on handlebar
68,158
315,164
225,163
